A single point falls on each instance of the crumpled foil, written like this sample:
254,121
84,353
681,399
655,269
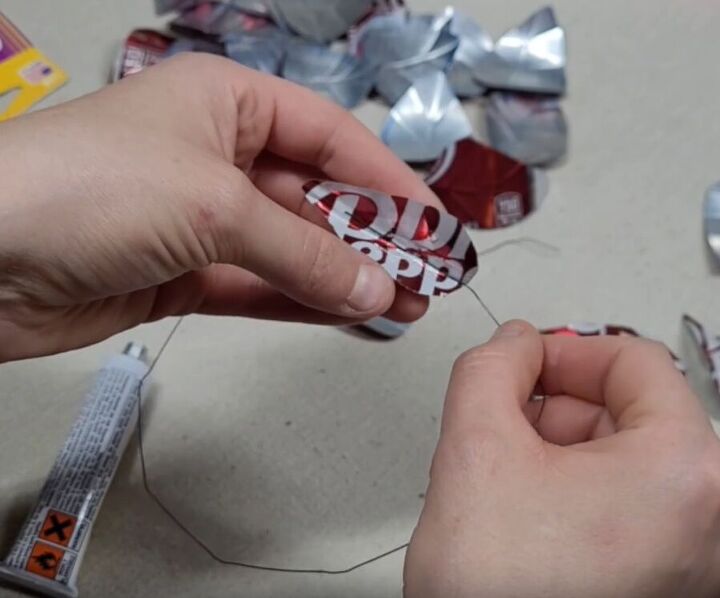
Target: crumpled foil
530,57
256,7
711,219
423,249
528,127
263,50
404,47
474,44
427,119
320,20
337,75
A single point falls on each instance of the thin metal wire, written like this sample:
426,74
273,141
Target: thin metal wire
199,541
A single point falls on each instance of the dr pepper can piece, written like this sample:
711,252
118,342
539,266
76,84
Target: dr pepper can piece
482,187
425,250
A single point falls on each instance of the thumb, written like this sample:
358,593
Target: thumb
300,259
491,383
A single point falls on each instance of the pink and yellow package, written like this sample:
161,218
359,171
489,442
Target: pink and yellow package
24,69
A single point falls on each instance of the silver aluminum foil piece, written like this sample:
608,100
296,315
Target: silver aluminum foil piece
256,7
262,50
427,119
385,327
319,20
530,57
337,75
711,219
194,45
474,45
528,127
216,19
404,47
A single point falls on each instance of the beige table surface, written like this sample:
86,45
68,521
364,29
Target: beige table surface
301,446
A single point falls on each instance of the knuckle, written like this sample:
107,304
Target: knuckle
480,358
317,257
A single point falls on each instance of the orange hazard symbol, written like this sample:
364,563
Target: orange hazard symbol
58,528
44,560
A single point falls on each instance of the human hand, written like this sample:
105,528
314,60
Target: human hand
614,493
179,190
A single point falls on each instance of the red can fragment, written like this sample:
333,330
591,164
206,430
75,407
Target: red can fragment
423,249
141,49
590,329
482,187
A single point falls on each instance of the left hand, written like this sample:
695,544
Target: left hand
179,190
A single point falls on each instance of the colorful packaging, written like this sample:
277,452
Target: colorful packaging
141,49
24,69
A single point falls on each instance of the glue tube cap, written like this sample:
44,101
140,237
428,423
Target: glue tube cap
36,584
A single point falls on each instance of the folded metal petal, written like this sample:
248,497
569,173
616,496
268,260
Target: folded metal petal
711,219
474,43
262,50
337,75
529,58
216,19
320,20
404,47
426,120
528,127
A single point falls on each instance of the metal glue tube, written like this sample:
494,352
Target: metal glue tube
46,556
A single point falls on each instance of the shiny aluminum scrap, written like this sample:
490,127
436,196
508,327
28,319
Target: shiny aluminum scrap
474,44
425,120
334,74
528,127
263,50
403,47
530,57
711,219
708,345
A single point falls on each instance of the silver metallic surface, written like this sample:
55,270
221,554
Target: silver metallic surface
530,57
337,75
426,119
711,218
257,7
385,327
474,45
529,128
405,47
319,20
262,50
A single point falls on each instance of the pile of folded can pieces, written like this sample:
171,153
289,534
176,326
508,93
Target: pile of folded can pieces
421,65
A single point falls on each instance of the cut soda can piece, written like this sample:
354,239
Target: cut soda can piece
141,49
426,120
530,57
424,250
263,50
528,127
255,7
337,75
198,44
708,345
403,47
320,20
385,327
474,43
711,219
216,19
592,329
482,187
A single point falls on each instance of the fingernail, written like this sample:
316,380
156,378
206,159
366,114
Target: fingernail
509,329
371,289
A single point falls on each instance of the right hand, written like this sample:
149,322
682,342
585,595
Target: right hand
615,493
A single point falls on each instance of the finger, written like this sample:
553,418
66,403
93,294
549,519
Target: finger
490,384
308,264
304,127
565,420
634,378
231,291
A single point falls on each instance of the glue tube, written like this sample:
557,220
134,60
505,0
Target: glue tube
46,556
